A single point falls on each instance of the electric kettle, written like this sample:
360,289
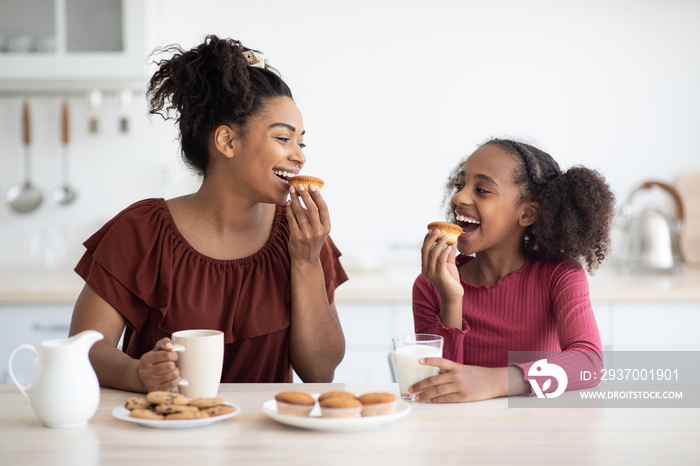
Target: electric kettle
652,235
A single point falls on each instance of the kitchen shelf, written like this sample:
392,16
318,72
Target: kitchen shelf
86,44
75,88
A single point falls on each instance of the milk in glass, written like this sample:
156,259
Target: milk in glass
408,368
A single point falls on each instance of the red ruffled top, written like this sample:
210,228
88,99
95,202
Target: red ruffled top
142,266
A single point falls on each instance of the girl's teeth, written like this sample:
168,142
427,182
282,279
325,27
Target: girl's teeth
462,218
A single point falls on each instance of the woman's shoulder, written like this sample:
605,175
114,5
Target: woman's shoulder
153,204
138,218
140,211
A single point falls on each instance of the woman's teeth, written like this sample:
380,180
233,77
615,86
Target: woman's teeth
282,173
461,218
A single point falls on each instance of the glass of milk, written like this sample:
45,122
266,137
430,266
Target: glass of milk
408,349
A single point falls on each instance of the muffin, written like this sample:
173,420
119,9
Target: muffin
450,230
306,181
295,403
376,404
341,407
327,395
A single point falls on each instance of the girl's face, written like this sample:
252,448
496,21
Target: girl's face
271,151
487,205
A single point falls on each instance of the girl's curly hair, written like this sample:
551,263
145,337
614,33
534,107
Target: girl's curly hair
577,206
208,86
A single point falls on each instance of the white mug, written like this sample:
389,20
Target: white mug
200,360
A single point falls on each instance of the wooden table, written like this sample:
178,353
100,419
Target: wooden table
486,432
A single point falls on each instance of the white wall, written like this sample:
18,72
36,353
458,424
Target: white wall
394,93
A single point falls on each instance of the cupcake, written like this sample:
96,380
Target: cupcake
376,404
341,407
450,230
306,181
295,403
327,395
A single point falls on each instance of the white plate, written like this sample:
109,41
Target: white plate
315,422
124,414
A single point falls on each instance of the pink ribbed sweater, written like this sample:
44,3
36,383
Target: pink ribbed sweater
543,307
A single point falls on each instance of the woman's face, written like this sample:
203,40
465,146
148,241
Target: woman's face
271,151
486,204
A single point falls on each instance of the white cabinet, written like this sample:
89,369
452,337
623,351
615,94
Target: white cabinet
59,45
29,324
661,326
648,326
604,318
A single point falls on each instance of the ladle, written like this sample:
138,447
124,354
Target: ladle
25,198
64,194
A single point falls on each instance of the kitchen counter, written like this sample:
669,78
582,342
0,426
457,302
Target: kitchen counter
608,284
476,433
39,286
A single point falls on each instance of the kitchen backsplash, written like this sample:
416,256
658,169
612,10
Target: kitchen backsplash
108,169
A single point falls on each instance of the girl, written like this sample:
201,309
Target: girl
235,255
529,227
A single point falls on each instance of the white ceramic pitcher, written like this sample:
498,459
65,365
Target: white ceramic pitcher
65,391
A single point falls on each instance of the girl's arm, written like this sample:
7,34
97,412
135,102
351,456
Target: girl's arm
427,305
458,383
154,371
577,329
317,343
438,265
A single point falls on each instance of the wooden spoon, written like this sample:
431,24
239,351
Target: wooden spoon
64,194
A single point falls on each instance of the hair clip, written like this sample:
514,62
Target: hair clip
256,59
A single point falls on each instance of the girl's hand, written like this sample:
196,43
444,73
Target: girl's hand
438,265
309,229
157,368
457,383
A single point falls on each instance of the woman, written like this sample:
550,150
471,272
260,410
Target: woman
236,256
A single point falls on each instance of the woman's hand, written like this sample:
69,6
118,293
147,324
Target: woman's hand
438,265
157,368
457,383
309,229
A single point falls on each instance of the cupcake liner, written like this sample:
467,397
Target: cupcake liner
294,410
341,412
378,409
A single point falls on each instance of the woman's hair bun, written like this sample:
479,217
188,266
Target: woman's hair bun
208,86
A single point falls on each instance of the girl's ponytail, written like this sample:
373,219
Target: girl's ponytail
576,214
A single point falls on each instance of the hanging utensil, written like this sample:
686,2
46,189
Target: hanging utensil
95,102
125,99
64,194
24,197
